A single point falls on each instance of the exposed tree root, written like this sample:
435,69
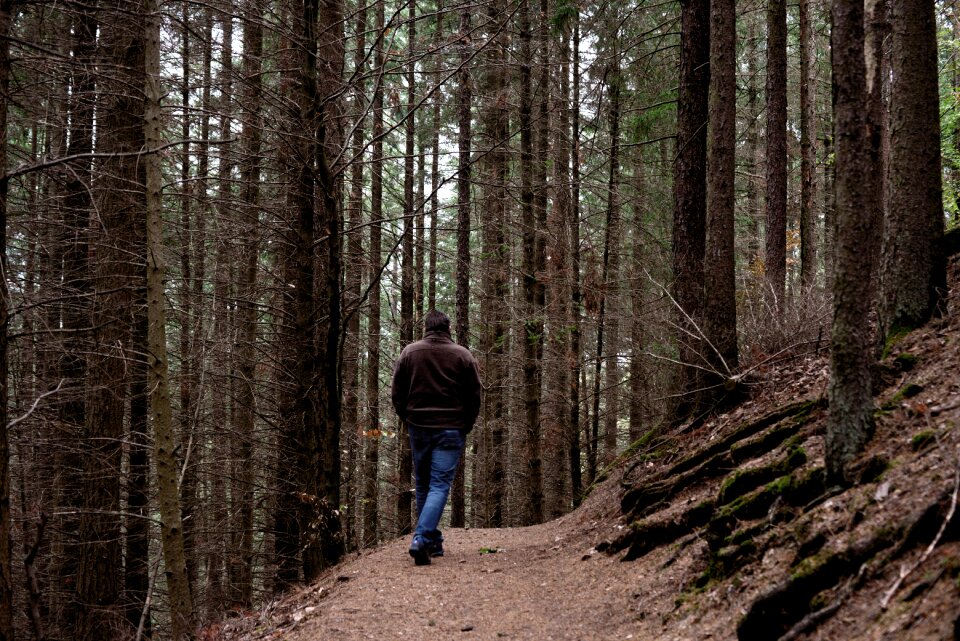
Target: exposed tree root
716,460
785,611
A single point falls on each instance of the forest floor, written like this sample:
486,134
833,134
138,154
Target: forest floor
731,532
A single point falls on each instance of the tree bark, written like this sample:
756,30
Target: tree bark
168,491
776,208
405,514
121,201
6,578
808,134
720,289
464,100
371,492
850,422
532,244
689,189
914,276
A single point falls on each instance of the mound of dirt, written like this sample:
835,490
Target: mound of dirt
724,532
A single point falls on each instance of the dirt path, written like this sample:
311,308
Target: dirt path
516,592
542,583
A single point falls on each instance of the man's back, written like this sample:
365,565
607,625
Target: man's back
436,384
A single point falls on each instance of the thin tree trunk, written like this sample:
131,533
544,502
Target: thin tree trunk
168,491
404,460
611,303
532,499
464,98
243,482
576,297
352,290
6,578
808,134
371,494
776,208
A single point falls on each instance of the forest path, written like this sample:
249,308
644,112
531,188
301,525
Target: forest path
539,583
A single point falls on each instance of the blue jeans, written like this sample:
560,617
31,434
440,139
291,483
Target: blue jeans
435,453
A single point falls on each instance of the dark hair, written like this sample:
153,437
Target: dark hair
437,322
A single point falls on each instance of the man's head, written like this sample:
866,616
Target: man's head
437,322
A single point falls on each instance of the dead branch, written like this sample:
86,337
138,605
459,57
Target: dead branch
906,571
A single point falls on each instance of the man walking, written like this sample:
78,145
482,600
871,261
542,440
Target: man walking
436,393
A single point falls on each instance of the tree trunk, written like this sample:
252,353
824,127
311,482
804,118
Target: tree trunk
329,423
248,225
720,302
493,167
353,429
371,494
6,578
532,244
850,422
576,297
776,214
808,134
168,491
77,206
114,313
689,189
914,277
405,463
464,98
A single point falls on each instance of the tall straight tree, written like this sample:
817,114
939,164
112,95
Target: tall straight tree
850,422
808,173
353,277
6,578
371,493
493,168
532,242
117,279
913,277
77,206
576,293
251,133
167,470
720,303
405,462
776,207
464,100
689,192
330,61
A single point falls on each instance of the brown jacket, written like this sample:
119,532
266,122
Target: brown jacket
436,384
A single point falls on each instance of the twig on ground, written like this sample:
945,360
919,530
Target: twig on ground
905,570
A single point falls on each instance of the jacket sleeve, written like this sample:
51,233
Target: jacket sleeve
399,387
472,393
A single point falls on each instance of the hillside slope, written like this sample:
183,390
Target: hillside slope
723,532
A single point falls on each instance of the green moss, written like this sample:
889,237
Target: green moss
894,336
743,481
906,361
921,439
907,391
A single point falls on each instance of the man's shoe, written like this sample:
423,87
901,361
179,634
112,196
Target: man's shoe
436,548
420,551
